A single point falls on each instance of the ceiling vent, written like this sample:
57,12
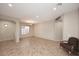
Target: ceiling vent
59,4
58,19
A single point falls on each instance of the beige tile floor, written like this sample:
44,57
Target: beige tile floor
31,46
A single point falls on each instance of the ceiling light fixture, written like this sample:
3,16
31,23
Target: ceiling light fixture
57,5
5,25
30,21
10,5
37,16
54,8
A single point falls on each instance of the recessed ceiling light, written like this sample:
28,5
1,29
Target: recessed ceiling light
5,25
30,21
54,8
37,16
10,5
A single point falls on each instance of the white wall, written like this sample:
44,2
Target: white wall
7,33
12,31
50,30
59,30
71,25
45,30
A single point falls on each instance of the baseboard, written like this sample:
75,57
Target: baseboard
32,36
7,40
26,37
47,39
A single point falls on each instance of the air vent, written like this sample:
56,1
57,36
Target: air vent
58,18
59,4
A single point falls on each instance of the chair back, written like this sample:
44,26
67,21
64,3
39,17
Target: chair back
74,42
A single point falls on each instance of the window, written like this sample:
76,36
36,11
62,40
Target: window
24,30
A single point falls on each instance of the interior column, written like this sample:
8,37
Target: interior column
17,32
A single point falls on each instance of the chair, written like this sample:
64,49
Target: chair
71,46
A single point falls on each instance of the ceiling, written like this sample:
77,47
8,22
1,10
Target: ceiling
36,12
